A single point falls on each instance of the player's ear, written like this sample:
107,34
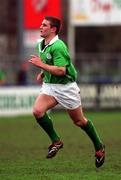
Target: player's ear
54,29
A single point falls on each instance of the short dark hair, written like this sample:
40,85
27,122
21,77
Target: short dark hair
54,22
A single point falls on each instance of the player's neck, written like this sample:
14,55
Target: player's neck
48,39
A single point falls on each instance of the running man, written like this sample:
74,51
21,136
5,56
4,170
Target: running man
58,79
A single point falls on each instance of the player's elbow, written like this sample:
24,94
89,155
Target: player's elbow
61,71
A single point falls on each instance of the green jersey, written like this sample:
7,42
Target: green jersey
56,53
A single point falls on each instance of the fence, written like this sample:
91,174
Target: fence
91,67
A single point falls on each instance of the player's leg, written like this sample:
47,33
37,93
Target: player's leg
79,119
42,104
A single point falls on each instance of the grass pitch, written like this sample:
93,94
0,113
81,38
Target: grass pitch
23,147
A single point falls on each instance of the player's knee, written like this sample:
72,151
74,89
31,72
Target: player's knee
77,123
80,123
37,112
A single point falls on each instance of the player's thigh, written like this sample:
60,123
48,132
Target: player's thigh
44,102
77,115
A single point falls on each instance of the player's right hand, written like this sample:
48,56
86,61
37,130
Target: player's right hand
40,77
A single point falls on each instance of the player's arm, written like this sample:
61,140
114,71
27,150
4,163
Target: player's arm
55,70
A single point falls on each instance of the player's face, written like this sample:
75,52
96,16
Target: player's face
45,29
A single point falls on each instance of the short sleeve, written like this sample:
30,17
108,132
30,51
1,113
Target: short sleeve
60,55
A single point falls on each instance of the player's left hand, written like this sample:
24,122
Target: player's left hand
35,60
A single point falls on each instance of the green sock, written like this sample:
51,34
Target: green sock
92,133
47,125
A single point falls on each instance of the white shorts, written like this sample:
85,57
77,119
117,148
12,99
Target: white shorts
68,95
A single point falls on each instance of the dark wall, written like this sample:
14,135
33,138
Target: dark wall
8,16
8,26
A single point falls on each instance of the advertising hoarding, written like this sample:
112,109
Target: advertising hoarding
95,12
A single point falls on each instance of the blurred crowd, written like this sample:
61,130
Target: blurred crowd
2,77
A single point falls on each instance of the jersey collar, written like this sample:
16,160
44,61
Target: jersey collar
54,39
51,42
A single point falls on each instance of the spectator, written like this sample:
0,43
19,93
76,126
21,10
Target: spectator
2,77
22,75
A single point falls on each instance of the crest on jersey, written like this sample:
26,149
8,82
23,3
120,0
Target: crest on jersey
48,56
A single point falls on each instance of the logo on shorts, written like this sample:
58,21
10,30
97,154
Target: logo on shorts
70,105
